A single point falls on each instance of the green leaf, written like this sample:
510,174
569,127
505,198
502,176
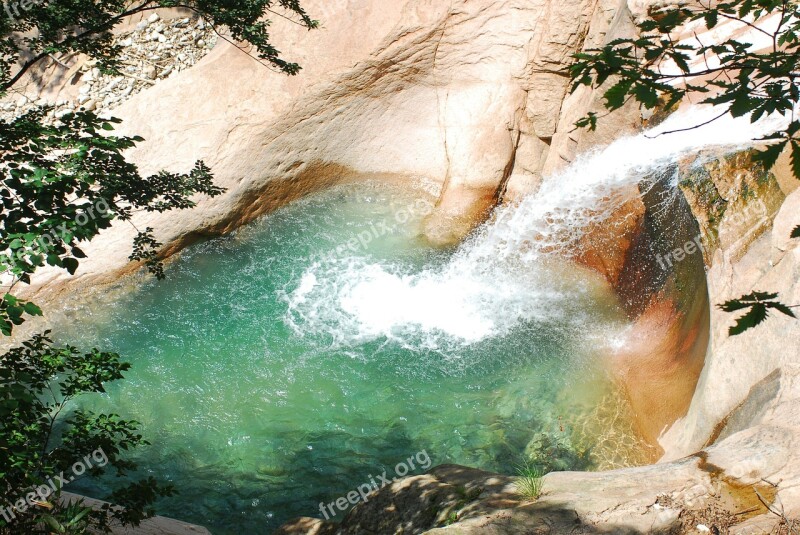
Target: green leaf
733,305
32,309
646,95
53,523
745,8
590,120
761,296
711,18
759,304
770,155
80,516
780,307
615,96
71,264
742,105
795,159
757,314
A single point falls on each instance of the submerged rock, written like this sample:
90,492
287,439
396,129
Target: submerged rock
721,487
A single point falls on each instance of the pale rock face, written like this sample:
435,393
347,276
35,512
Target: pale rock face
466,93
785,222
735,364
753,252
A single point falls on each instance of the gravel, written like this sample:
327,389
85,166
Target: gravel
155,50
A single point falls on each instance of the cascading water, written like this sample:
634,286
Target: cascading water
281,366
506,273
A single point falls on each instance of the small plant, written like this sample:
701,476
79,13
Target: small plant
43,438
75,522
452,518
529,480
465,497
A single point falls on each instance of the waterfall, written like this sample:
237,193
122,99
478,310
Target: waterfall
509,271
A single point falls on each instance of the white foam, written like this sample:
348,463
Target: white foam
500,277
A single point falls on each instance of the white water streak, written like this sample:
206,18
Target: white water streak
501,276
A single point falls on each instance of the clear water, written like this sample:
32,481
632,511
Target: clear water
285,365
272,373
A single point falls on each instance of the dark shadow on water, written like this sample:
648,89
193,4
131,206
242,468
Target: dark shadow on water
232,499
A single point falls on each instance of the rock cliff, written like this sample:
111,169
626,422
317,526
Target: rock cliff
467,94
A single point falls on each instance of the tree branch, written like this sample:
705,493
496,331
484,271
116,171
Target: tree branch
76,38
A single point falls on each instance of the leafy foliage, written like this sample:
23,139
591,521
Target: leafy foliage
38,382
76,519
61,185
656,68
759,305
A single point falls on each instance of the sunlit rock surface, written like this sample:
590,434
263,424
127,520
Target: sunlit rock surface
466,94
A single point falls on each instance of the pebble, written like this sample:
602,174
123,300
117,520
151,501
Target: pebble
154,50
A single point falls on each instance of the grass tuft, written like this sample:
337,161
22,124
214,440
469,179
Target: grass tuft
529,480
